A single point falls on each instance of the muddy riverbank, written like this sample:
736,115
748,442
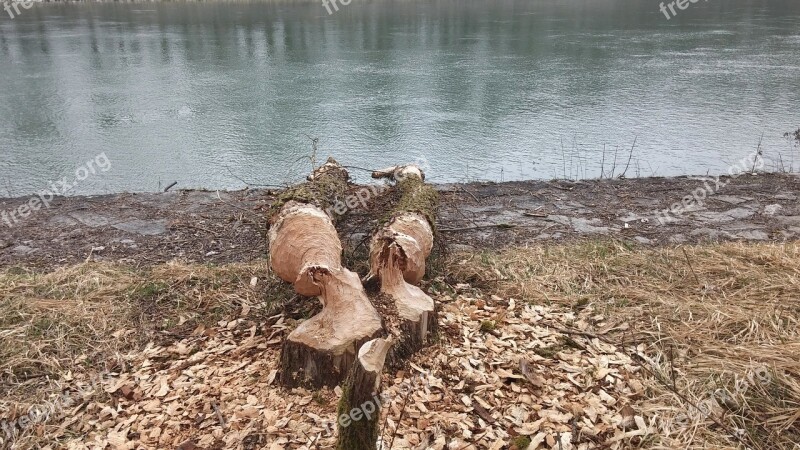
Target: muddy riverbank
219,227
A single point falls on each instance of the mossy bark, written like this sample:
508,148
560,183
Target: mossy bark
358,413
327,185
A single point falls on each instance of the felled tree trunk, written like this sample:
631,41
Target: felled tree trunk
359,408
302,234
398,254
305,250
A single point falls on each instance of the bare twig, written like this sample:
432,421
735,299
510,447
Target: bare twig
614,166
690,265
493,225
314,142
253,184
622,175
463,189
219,415
603,162
360,168
758,153
400,419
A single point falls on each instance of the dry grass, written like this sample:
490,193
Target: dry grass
707,317
704,320
81,318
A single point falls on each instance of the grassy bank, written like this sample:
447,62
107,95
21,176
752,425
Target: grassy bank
702,321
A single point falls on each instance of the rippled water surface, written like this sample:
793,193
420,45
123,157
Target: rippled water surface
213,94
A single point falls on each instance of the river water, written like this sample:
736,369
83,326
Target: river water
217,94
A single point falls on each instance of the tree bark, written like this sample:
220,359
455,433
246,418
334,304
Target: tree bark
359,409
305,250
398,253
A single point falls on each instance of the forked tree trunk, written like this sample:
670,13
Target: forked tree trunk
359,408
398,254
305,250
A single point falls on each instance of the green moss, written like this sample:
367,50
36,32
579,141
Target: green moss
488,326
322,192
418,197
319,398
412,195
581,304
149,290
548,352
521,442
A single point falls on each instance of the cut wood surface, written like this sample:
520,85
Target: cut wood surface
303,237
301,234
321,350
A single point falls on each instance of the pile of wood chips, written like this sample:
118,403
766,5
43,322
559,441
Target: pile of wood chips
499,370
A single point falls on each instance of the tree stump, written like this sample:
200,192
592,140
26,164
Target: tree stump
305,250
301,233
321,350
359,409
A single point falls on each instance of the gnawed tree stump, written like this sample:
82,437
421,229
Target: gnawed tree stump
398,253
321,350
359,408
305,250
415,309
